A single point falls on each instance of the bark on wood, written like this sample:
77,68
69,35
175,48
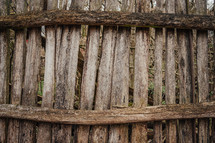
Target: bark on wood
213,97
56,17
202,71
186,127
170,82
117,116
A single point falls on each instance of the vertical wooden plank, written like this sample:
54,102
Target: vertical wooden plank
159,43
186,127
17,75
103,93
202,71
213,97
139,130
170,82
120,79
3,70
27,128
89,72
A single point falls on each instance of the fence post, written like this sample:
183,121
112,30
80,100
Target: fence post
3,69
202,70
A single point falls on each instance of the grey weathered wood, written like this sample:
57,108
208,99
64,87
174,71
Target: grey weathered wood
157,97
120,80
62,17
17,75
170,82
3,70
117,116
213,97
103,93
140,97
186,130
202,71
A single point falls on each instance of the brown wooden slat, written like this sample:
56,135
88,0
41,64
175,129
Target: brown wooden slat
170,83
37,19
140,97
202,71
117,116
3,70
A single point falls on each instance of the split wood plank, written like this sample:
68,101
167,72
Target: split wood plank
44,130
17,75
103,92
140,97
27,128
3,70
186,127
113,18
202,71
117,116
89,73
170,83
159,44
120,78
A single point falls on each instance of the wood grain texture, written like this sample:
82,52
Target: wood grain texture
3,70
140,97
105,117
170,83
186,127
111,18
103,93
159,44
202,71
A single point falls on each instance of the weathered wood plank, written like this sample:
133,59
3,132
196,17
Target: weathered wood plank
157,97
140,97
202,71
103,93
186,127
156,20
170,82
117,116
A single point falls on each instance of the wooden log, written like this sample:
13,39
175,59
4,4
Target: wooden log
157,97
103,92
140,97
170,83
186,127
202,71
118,116
155,20
3,70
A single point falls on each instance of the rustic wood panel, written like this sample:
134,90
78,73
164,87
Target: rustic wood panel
3,70
117,116
156,20
186,127
140,98
170,82
159,44
202,71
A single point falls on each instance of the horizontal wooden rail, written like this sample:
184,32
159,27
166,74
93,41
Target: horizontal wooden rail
36,19
117,116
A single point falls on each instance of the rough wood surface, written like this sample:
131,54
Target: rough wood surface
202,71
117,116
157,97
56,17
3,70
140,97
186,127
170,71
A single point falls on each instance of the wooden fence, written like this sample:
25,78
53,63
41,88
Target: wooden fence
144,72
